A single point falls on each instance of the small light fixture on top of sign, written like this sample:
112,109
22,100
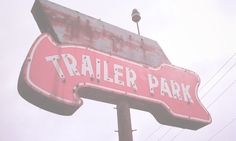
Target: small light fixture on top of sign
136,18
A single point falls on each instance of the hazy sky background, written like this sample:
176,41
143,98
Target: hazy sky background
199,35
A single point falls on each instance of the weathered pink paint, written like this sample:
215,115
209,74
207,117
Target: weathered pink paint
64,73
68,26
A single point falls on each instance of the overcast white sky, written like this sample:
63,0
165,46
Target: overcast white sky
199,35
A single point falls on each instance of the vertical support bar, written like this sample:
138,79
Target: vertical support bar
138,29
124,121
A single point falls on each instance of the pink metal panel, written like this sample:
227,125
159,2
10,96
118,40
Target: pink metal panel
71,27
57,71
95,60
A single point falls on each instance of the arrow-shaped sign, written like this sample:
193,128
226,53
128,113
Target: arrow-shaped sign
55,76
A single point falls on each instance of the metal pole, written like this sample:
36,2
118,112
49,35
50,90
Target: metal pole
124,121
138,29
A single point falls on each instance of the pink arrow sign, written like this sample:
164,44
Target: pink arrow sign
60,74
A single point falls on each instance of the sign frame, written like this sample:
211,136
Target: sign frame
33,93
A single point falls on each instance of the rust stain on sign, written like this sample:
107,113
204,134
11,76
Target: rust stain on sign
71,27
